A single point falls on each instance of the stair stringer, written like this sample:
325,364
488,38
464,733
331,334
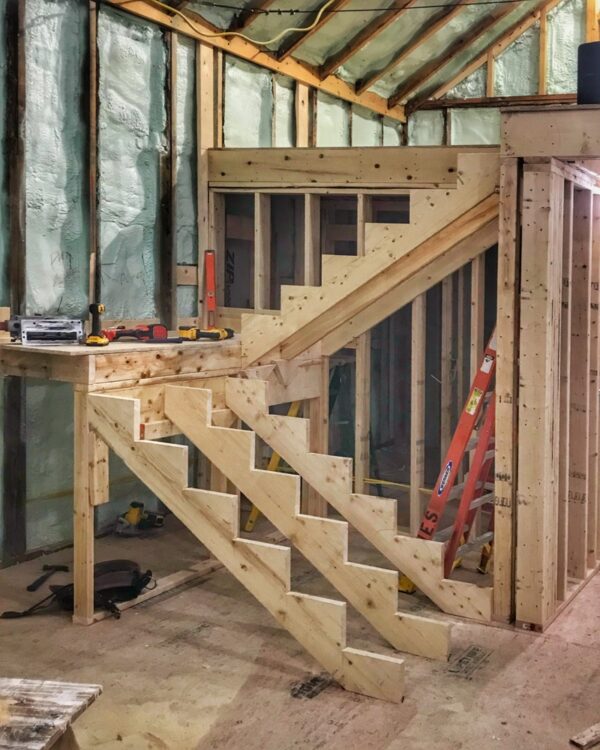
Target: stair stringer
372,591
317,623
375,518
332,304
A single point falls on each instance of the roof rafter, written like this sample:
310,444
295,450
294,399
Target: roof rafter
440,20
493,50
249,14
423,75
238,47
288,48
364,36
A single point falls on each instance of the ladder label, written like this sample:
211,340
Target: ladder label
487,364
445,476
473,401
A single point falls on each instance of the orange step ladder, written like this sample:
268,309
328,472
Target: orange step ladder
474,432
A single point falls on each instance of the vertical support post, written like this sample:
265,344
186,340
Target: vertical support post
507,374
318,412
489,82
362,414
304,117
565,397
580,384
206,124
15,490
417,409
543,50
539,395
592,20
168,167
447,368
83,536
592,503
95,277
262,251
312,239
477,313
596,253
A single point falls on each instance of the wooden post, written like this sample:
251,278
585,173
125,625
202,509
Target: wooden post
312,239
543,53
507,332
206,123
592,504
83,536
318,412
362,414
596,252
539,396
477,313
15,457
92,134
262,251
168,173
304,116
447,368
565,397
417,409
592,20
580,384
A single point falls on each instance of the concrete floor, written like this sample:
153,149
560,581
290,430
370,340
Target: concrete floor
206,668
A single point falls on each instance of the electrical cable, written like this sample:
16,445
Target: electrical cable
212,35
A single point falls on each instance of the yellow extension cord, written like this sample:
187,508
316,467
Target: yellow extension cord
211,35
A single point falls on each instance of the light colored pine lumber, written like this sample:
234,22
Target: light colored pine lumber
375,518
319,624
324,542
417,410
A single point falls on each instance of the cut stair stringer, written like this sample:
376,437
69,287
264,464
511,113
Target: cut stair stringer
373,517
372,591
439,219
319,624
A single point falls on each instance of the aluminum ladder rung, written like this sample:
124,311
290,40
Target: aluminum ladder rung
483,500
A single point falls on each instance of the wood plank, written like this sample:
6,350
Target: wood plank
417,410
95,276
318,414
312,239
579,411
595,497
262,251
197,28
168,193
295,168
446,364
499,101
507,389
562,132
592,505
565,396
83,514
592,21
588,738
187,275
543,53
539,397
304,101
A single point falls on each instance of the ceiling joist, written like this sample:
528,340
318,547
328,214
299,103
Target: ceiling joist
426,73
198,28
366,35
249,14
492,51
300,37
431,28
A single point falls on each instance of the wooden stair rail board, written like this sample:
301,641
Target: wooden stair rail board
440,219
373,517
370,590
319,624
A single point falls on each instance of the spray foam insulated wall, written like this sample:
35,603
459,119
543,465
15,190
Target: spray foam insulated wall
132,121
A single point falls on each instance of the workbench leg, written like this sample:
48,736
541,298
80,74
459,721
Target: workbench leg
67,742
83,520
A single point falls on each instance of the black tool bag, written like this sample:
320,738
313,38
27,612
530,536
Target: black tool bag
114,581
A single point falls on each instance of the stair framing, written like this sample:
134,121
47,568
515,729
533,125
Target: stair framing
375,518
440,219
370,590
319,624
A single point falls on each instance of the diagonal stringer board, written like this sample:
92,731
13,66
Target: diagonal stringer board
372,591
440,219
319,624
373,517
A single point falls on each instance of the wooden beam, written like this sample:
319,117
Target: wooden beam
364,36
417,409
168,184
262,251
564,481
579,420
427,72
92,148
494,49
431,28
507,389
295,168
197,28
593,479
304,105
543,53
298,39
592,20
248,15
15,457
539,397
500,101
446,364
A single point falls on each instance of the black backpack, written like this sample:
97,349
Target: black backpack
114,581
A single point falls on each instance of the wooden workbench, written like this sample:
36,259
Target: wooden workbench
118,366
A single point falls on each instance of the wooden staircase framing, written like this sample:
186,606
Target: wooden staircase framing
319,624
370,590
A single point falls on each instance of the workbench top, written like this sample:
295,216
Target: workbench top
121,362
